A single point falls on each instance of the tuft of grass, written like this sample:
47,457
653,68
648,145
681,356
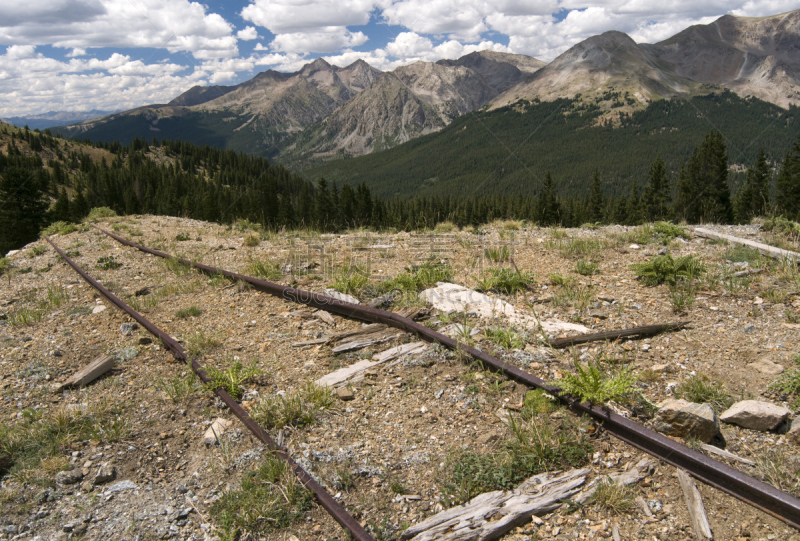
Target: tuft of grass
38,250
587,268
419,277
742,254
444,227
99,213
198,343
612,496
536,445
581,247
24,316
579,297
265,270
702,390
5,265
664,269
181,237
597,384
681,296
780,469
58,228
270,498
177,266
558,279
232,378
297,409
181,387
247,225
251,240
108,263
505,338
788,383
191,311
504,280
497,254
56,296
351,280
537,402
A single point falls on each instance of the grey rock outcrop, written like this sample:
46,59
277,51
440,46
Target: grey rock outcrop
755,415
687,419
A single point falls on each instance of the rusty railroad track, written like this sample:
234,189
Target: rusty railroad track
712,472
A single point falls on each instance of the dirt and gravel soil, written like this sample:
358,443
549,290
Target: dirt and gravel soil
396,438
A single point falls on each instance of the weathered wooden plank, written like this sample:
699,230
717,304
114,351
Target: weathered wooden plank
340,376
645,330
88,373
326,317
493,514
636,473
363,342
765,249
366,329
314,342
399,351
697,511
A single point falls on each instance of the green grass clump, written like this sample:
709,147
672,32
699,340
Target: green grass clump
577,296
664,269
558,279
580,246
537,402
665,232
108,263
297,409
181,387
587,268
232,378
782,226
24,316
99,213
789,383
265,270
505,338
497,254
742,254
252,240
59,228
181,237
504,280
270,498
38,250
419,277
536,445
681,296
191,311
598,385
350,279
247,225
5,265
199,342
613,497
702,390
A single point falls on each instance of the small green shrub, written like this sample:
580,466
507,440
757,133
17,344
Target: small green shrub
577,296
598,385
419,277
59,228
681,296
5,265
505,338
270,498
247,225
789,383
191,311
537,402
587,268
38,250
664,269
504,280
665,232
782,226
181,237
742,254
179,388
108,263
99,213
557,279
231,379
701,390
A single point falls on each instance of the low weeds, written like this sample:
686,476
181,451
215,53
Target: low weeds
702,390
266,270
780,469
612,496
505,338
252,240
200,342
577,296
659,232
108,263
180,388
581,247
419,277
505,280
497,254
664,269
537,444
351,280
58,228
597,383
681,296
191,311
587,268
232,378
744,254
789,383
296,409
99,213
270,498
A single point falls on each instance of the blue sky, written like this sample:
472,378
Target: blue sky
78,55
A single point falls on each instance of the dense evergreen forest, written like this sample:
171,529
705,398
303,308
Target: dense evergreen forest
44,179
508,151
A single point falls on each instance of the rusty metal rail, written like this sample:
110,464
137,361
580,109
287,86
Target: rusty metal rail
727,479
325,499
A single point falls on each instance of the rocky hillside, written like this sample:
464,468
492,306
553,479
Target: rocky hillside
751,56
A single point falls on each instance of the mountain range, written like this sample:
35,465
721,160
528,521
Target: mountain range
325,112
54,118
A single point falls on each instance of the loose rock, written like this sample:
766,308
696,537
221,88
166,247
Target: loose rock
755,415
343,393
765,366
106,473
687,419
69,477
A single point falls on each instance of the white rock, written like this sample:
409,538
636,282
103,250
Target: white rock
341,296
755,415
97,309
216,429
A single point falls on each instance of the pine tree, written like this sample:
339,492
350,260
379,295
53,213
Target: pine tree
596,200
549,208
634,207
788,184
656,197
22,208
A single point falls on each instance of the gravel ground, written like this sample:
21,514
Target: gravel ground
405,422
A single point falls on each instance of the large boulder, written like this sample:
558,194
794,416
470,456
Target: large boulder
755,415
687,420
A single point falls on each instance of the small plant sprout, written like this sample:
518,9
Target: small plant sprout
597,385
231,378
